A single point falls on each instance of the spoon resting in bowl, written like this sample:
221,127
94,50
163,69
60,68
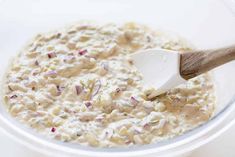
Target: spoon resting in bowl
165,69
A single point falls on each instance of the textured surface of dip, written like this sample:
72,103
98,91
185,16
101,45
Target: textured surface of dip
78,85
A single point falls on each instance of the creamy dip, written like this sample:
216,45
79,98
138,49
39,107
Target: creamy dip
79,85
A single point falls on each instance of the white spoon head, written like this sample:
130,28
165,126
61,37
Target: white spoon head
159,67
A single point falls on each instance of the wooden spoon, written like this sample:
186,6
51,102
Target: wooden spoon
165,69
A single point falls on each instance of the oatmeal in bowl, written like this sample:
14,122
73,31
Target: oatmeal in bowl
79,85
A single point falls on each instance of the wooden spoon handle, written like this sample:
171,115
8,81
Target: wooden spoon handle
195,63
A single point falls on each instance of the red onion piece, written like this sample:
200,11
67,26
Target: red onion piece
99,118
78,89
13,96
118,90
51,55
128,142
146,126
82,52
51,73
36,63
105,66
53,129
35,73
88,104
137,131
59,89
96,88
134,101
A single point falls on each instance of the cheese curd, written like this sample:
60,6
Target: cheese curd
79,85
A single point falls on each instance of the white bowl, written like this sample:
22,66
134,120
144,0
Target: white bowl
206,23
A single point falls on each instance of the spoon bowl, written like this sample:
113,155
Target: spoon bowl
160,68
165,69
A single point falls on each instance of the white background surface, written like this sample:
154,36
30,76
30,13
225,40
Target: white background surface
24,15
